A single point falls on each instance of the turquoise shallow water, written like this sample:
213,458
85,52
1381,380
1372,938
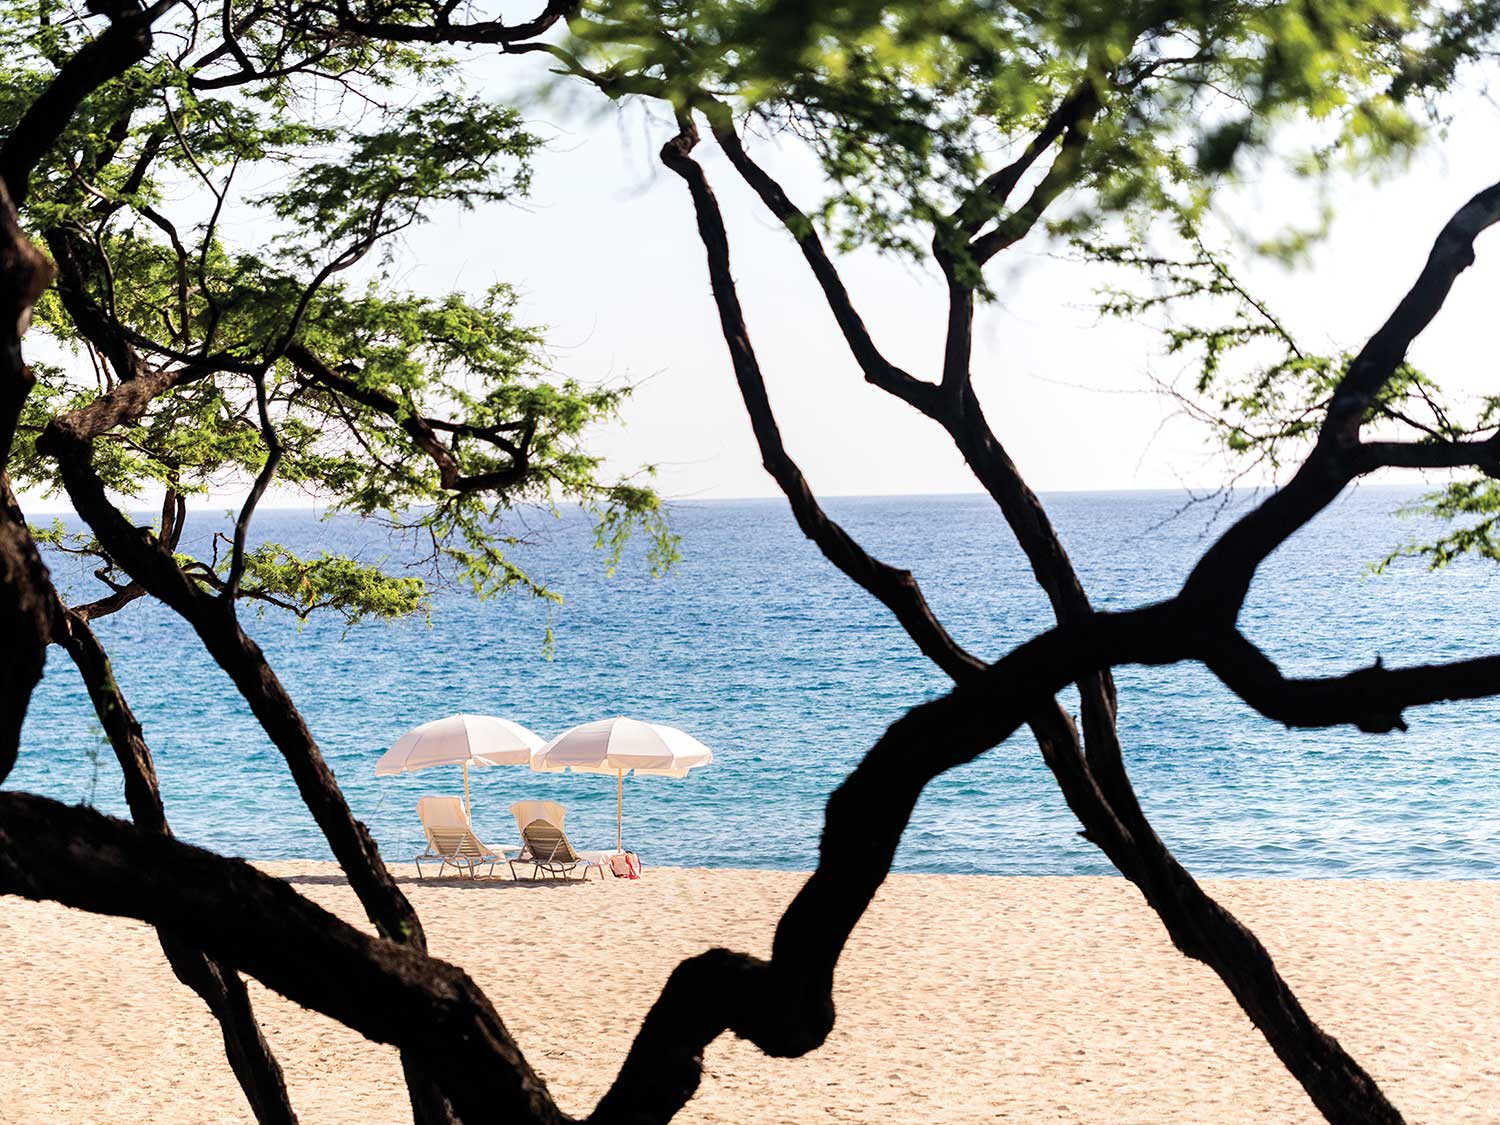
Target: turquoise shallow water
758,647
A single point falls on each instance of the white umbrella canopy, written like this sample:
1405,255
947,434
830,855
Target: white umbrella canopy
620,746
460,740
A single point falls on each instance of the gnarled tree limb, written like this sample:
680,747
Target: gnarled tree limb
1221,579
443,30
120,46
1112,819
1198,925
25,622
25,608
388,991
423,431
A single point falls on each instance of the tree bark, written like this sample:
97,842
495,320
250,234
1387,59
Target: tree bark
25,607
69,440
25,622
454,1047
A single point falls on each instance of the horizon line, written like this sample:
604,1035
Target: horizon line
1180,491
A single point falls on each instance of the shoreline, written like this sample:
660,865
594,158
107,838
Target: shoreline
1047,998
404,869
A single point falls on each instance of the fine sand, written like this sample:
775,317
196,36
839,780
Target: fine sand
960,998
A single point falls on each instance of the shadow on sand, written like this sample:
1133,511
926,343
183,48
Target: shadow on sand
488,882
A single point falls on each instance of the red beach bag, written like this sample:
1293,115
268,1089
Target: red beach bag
625,865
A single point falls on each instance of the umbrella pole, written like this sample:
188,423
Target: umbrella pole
467,811
619,810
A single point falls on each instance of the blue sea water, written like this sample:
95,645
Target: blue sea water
761,649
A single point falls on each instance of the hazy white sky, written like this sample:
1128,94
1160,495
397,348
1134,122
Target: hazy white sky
607,256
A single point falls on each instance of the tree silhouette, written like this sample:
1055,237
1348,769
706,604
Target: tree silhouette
212,358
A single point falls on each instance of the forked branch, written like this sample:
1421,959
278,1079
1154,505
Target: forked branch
1100,792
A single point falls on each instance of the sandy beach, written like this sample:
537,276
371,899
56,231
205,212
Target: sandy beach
961,998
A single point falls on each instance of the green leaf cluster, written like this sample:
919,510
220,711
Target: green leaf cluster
1471,508
230,203
910,105
276,576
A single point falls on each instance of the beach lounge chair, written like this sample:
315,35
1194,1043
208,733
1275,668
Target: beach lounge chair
527,811
546,850
451,840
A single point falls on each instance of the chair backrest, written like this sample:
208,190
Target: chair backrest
447,827
445,811
527,811
547,843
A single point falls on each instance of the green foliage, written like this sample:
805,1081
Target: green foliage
449,149
276,576
1265,397
425,353
1262,393
1471,507
58,538
345,142
910,105
442,415
615,515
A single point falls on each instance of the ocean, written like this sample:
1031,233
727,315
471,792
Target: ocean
758,647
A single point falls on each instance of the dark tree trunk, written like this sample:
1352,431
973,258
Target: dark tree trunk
25,623
214,619
25,605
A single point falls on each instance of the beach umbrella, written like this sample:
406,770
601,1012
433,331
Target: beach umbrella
460,740
620,746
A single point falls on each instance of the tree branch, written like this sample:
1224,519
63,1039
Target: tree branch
985,201
25,622
896,589
68,439
258,489
32,605
1059,177
422,430
1371,455
25,609
1221,579
120,46
877,369
1098,790
443,31
25,274
173,516
389,992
